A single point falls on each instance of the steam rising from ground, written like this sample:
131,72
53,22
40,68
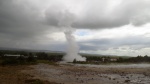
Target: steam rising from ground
65,21
73,49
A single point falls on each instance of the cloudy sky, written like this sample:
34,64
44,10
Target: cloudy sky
112,27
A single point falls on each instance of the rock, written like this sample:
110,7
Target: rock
127,81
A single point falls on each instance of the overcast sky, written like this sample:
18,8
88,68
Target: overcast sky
111,27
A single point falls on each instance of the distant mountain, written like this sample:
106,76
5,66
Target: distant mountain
5,48
57,52
87,54
29,50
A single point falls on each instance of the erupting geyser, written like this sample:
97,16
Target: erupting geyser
65,21
72,48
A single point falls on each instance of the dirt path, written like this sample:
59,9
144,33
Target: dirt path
68,74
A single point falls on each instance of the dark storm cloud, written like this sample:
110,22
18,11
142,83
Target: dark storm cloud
16,19
19,24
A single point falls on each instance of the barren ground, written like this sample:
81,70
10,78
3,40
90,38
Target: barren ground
14,75
70,74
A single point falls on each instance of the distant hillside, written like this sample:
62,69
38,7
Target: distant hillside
59,52
29,50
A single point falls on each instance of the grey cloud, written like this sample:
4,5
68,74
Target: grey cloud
95,44
93,47
14,17
58,47
20,22
135,12
59,17
97,14
134,42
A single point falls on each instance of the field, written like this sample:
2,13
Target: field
14,75
48,68
74,74
51,73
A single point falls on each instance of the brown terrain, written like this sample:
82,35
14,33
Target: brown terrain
14,75
71,74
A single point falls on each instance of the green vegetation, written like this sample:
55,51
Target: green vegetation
16,61
13,60
51,58
114,59
138,59
26,57
74,61
55,57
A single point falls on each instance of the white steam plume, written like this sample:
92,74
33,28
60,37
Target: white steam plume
72,48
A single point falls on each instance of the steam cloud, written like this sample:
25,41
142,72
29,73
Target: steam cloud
65,20
72,50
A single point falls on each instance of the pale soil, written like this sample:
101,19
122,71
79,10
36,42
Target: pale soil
70,74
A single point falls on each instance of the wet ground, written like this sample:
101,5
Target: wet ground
116,65
106,74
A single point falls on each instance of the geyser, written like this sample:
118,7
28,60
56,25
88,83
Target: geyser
72,48
65,21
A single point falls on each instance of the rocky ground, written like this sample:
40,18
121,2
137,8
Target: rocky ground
14,75
71,74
